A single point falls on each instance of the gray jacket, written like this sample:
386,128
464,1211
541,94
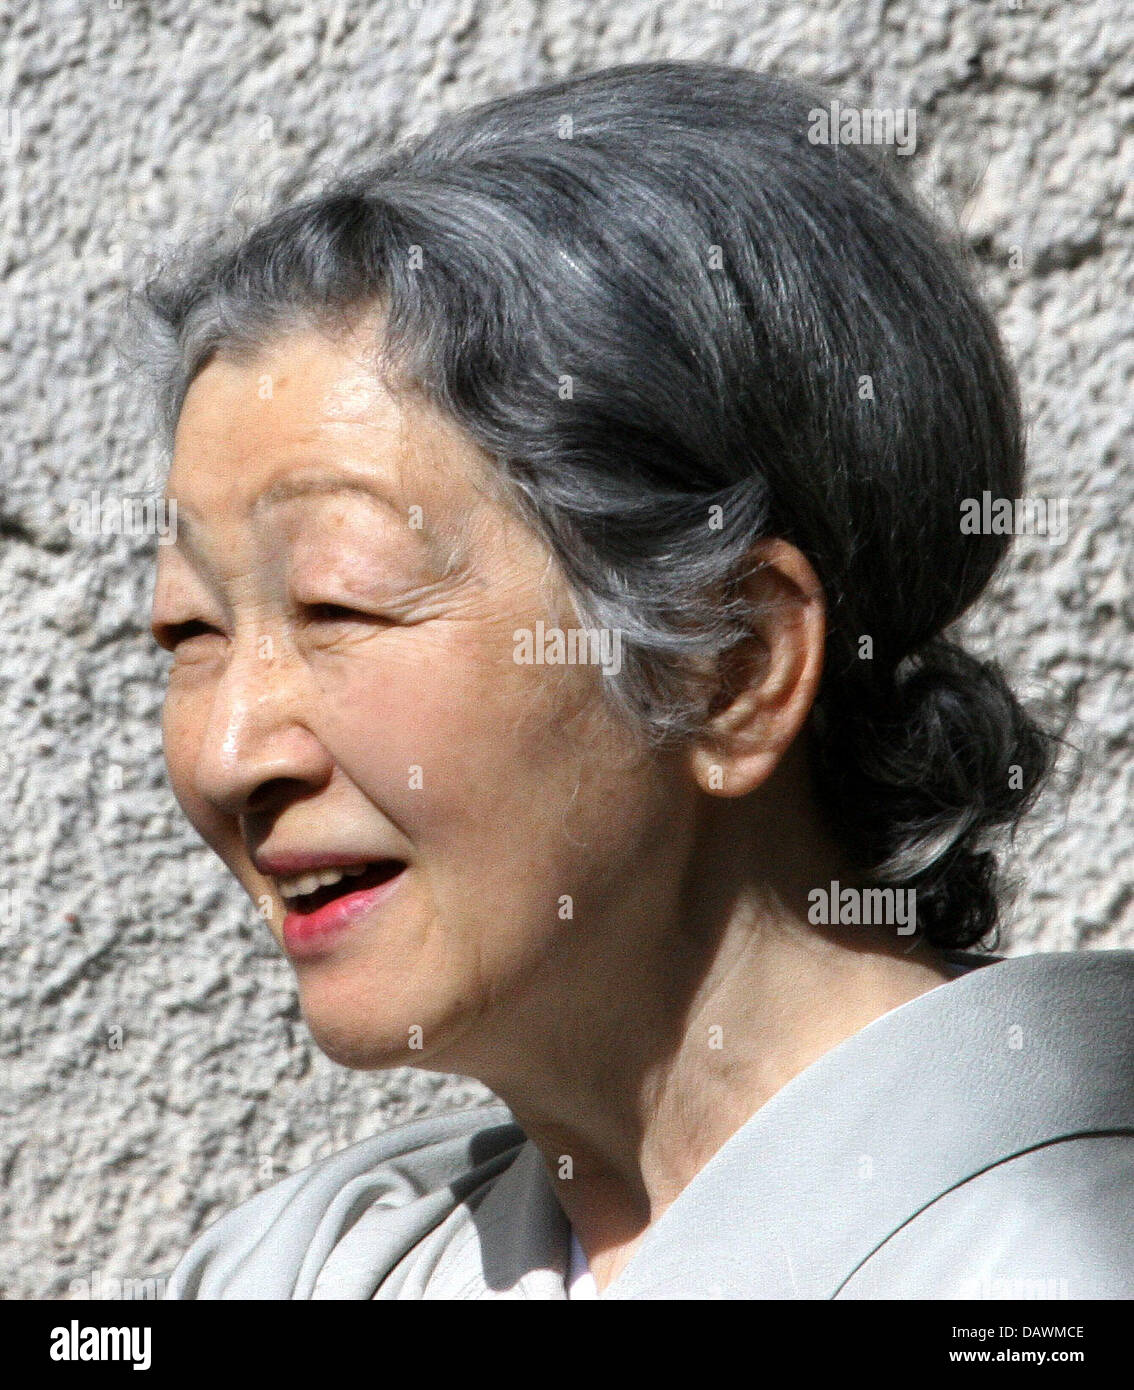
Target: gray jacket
977,1142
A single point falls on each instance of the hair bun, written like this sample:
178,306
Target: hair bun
918,769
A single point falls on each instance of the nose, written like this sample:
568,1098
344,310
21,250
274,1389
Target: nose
257,748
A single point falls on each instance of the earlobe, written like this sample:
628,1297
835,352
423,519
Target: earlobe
768,683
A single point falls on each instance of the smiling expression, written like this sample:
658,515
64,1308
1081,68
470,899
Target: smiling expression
344,702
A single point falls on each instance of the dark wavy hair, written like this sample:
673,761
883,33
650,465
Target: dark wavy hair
680,326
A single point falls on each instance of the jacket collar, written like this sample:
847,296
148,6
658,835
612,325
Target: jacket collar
1018,1053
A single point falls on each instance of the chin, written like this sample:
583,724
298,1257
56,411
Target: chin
372,1032
374,1049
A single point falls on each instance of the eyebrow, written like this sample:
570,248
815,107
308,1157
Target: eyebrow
321,484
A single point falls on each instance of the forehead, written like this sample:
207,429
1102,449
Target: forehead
284,424
305,395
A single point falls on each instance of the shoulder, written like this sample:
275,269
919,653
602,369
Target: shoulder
1056,1222
1029,1139
403,1181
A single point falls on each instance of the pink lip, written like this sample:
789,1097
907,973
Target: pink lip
310,934
285,865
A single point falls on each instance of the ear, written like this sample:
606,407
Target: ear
768,684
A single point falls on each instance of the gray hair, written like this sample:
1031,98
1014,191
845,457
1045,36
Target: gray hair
657,305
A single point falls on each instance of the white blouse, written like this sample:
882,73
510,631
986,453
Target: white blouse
580,1280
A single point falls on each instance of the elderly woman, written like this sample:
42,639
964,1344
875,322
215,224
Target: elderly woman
570,516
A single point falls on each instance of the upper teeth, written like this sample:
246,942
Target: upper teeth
299,884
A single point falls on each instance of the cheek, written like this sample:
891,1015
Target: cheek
455,739
527,798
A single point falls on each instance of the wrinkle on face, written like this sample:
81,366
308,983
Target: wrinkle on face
532,791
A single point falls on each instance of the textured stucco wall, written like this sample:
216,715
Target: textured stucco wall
154,1069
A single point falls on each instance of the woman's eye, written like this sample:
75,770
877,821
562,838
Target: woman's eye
173,635
333,612
340,613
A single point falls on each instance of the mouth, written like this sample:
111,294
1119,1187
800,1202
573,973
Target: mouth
316,914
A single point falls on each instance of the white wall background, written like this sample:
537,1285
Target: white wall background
126,123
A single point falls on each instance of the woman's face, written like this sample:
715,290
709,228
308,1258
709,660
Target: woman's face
342,603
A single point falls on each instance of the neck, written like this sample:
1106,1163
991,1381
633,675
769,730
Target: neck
647,1050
